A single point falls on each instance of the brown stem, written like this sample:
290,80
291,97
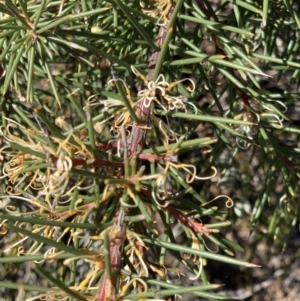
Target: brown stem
187,221
96,163
135,142
138,133
107,287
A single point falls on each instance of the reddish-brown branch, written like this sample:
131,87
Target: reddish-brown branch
203,8
96,163
181,217
187,221
105,163
138,133
107,287
134,144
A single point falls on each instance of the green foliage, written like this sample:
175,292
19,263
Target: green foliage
108,149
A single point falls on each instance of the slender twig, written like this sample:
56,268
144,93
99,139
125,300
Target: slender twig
107,287
138,133
135,142
187,221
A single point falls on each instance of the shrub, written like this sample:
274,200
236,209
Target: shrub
118,118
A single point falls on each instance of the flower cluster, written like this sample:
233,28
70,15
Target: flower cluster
45,166
258,112
158,91
162,9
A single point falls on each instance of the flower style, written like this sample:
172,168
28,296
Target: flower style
161,191
258,112
247,129
161,10
161,87
158,91
122,116
58,181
